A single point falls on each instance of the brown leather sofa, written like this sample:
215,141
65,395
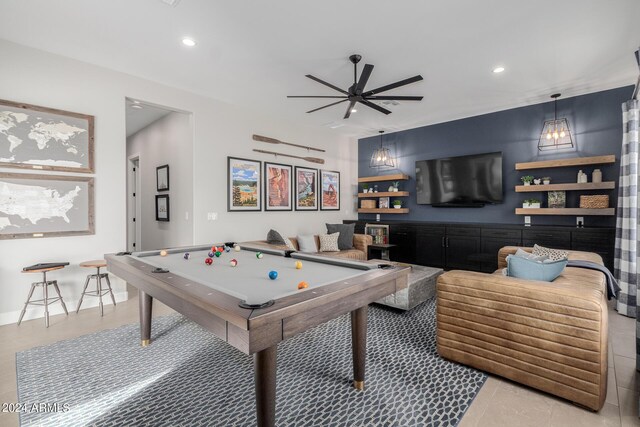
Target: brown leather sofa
359,252
550,336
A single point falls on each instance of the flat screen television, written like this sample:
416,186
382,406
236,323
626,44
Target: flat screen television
464,181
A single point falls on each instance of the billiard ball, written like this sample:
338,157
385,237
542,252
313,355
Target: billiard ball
273,275
259,255
187,255
163,253
237,248
227,248
208,261
298,265
303,285
233,262
211,254
219,249
218,253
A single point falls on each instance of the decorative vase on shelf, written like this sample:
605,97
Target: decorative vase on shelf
391,189
596,176
527,183
546,181
397,206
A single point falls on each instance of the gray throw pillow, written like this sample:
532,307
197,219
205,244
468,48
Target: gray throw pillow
345,240
307,244
274,238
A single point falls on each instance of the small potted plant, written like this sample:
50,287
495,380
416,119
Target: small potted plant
527,179
546,180
397,204
531,203
365,188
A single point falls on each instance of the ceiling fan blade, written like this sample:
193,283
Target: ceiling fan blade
395,98
327,84
375,107
394,85
351,105
320,108
313,96
364,77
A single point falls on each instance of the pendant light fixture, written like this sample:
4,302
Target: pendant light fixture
555,133
381,156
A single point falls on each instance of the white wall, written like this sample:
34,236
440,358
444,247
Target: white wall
220,129
167,141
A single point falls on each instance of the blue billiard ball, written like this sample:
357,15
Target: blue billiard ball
187,255
273,275
227,249
211,254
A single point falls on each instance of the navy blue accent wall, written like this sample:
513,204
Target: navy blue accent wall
596,124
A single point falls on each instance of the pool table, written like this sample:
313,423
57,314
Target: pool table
244,307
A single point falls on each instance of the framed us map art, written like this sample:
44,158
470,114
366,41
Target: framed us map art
34,205
42,138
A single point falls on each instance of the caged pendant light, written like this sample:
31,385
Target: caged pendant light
381,156
555,133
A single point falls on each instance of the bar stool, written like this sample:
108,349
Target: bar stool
45,292
97,264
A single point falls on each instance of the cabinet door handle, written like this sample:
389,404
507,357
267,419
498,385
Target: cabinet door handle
447,240
443,241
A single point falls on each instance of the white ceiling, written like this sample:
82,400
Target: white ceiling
254,53
140,118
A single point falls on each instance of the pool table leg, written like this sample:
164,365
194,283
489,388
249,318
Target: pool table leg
264,366
359,345
146,302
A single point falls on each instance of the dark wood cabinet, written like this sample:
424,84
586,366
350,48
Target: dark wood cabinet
404,237
591,240
430,246
552,238
463,253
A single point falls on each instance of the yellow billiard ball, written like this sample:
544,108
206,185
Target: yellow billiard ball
298,265
163,253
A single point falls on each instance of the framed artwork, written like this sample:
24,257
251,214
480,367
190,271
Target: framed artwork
306,189
35,205
277,187
383,203
557,199
44,138
330,182
162,178
243,185
162,207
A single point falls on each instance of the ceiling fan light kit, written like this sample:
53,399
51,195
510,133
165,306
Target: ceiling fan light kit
356,93
555,133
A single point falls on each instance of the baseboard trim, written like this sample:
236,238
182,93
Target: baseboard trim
37,312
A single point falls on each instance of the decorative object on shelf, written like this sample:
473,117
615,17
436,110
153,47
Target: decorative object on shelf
356,92
330,182
375,188
556,199
306,158
368,204
582,177
381,156
537,181
527,179
306,189
277,187
243,185
396,186
531,204
555,133
365,188
261,138
383,203
397,204
37,205
42,138
594,202
596,176
162,178
546,180
162,207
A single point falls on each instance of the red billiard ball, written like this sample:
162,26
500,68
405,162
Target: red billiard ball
208,261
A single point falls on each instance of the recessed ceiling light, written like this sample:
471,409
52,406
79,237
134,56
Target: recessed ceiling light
498,70
136,106
353,110
188,41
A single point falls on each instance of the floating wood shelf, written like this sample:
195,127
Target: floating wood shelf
381,178
385,194
566,211
607,185
386,211
559,163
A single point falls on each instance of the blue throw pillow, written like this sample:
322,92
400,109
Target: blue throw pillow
523,268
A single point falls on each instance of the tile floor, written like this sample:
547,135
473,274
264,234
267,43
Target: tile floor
499,403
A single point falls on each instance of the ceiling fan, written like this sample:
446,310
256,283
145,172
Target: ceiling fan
356,92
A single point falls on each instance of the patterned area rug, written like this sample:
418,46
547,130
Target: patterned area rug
187,377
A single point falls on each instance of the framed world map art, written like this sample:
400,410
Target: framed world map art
45,205
43,138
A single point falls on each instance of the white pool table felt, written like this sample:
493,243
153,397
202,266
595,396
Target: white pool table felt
249,280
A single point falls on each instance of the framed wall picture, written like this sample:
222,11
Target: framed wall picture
277,187
306,189
243,185
383,203
42,138
557,199
162,178
36,205
330,198
162,207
